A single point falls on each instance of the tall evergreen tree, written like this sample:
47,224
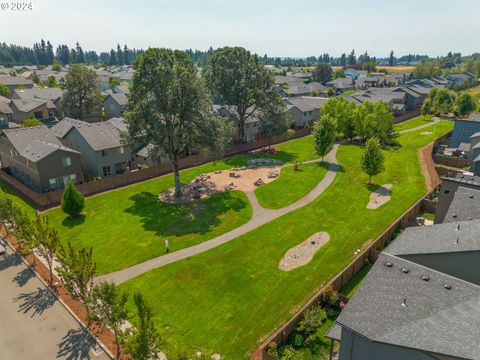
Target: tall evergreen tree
372,159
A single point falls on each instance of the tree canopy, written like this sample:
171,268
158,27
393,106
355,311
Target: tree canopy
237,78
81,98
324,133
322,73
372,159
73,200
465,104
169,106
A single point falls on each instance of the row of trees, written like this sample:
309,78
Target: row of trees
444,101
104,302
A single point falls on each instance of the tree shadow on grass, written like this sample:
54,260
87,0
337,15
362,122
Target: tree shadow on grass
72,222
35,302
197,217
76,345
23,276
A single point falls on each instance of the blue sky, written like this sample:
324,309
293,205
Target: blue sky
275,27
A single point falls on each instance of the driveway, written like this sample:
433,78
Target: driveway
33,324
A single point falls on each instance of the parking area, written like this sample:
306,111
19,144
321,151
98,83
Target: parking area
34,325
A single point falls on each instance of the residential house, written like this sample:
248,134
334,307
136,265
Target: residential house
305,110
302,89
34,156
474,153
5,113
16,82
419,301
124,76
464,129
281,80
115,104
366,82
53,95
42,110
121,89
448,190
101,144
341,85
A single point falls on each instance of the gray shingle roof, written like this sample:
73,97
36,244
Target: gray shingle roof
120,99
119,123
14,80
465,205
27,105
61,128
39,149
441,238
434,319
100,136
5,107
52,94
307,103
464,179
22,137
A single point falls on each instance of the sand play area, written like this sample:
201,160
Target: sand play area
379,196
303,253
204,185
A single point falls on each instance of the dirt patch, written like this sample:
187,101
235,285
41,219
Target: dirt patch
303,253
205,185
379,196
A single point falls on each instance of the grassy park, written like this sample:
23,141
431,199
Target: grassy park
237,288
291,185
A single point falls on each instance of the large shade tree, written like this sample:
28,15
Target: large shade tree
238,79
169,106
82,92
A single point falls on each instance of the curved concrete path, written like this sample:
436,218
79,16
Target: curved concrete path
260,216
435,120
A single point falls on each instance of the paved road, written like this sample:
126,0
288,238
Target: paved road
33,324
435,120
260,216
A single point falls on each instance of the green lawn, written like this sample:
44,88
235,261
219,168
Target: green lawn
130,225
291,185
227,299
349,289
17,200
135,223
412,123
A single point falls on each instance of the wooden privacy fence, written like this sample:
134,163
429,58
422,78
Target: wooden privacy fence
453,161
369,253
407,116
50,199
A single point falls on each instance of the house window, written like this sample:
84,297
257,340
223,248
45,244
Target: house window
38,114
122,150
107,170
104,153
52,183
67,161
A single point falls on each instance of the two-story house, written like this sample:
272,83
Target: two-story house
101,144
115,104
34,156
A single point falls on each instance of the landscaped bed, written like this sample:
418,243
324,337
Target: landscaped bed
225,300
291,185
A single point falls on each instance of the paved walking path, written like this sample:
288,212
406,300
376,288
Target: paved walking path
260,216
435,120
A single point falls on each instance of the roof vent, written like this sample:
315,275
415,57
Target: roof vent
456,241
425,278
404,303
470,196
454,216
405,270
458,227
447,286
388,264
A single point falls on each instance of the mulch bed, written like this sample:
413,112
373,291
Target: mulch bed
428,167
103,334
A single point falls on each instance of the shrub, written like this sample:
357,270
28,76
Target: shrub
286,353
73,201
296,340
313,318
330,297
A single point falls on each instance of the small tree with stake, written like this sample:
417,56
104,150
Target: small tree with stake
108,308
324,134
372,159
48,241
73,200
143,342
77,270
